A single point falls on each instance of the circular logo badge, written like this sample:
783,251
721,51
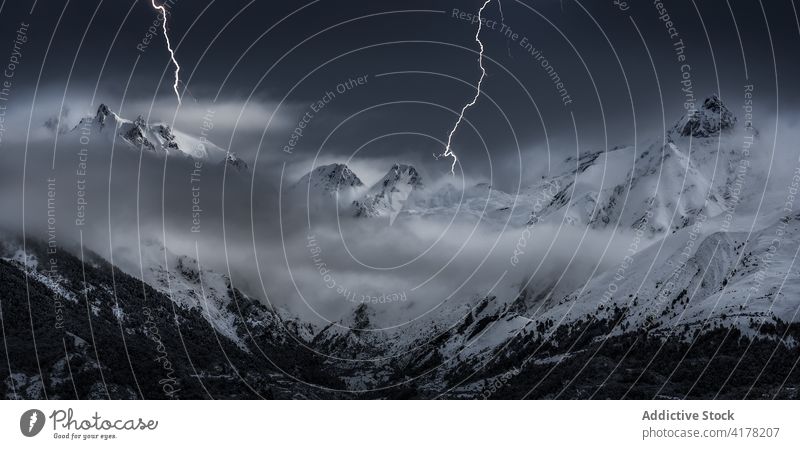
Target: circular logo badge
31,422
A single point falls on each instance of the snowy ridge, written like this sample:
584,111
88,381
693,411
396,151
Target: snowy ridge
693,273
712,118
328,182
724,281
227,309
388,196
156,138
700,272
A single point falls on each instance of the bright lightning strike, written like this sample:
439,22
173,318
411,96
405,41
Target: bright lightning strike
447,151
169,47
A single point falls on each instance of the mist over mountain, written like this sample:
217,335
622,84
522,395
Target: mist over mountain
638,238
260,207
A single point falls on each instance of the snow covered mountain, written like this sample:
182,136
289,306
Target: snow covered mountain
677,193
389,195
729,279
156,138
329,181
229,311
694,273
106,335
659,186
401,190
478,202
711,119
662,185
699,290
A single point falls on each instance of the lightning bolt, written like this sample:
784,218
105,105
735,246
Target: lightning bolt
448,152
169,47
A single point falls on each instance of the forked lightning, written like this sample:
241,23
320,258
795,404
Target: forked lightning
169,47
448,152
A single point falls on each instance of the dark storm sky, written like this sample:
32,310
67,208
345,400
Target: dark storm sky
593,46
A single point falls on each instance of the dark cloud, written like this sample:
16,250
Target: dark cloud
419,62
618,67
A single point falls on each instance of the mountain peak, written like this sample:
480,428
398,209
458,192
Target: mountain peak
361,318
712,118
102,113
390,194
157,138
330,179
402,170
233,160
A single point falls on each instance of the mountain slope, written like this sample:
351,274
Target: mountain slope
698,291
388,197
330,180
114,336
156,138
